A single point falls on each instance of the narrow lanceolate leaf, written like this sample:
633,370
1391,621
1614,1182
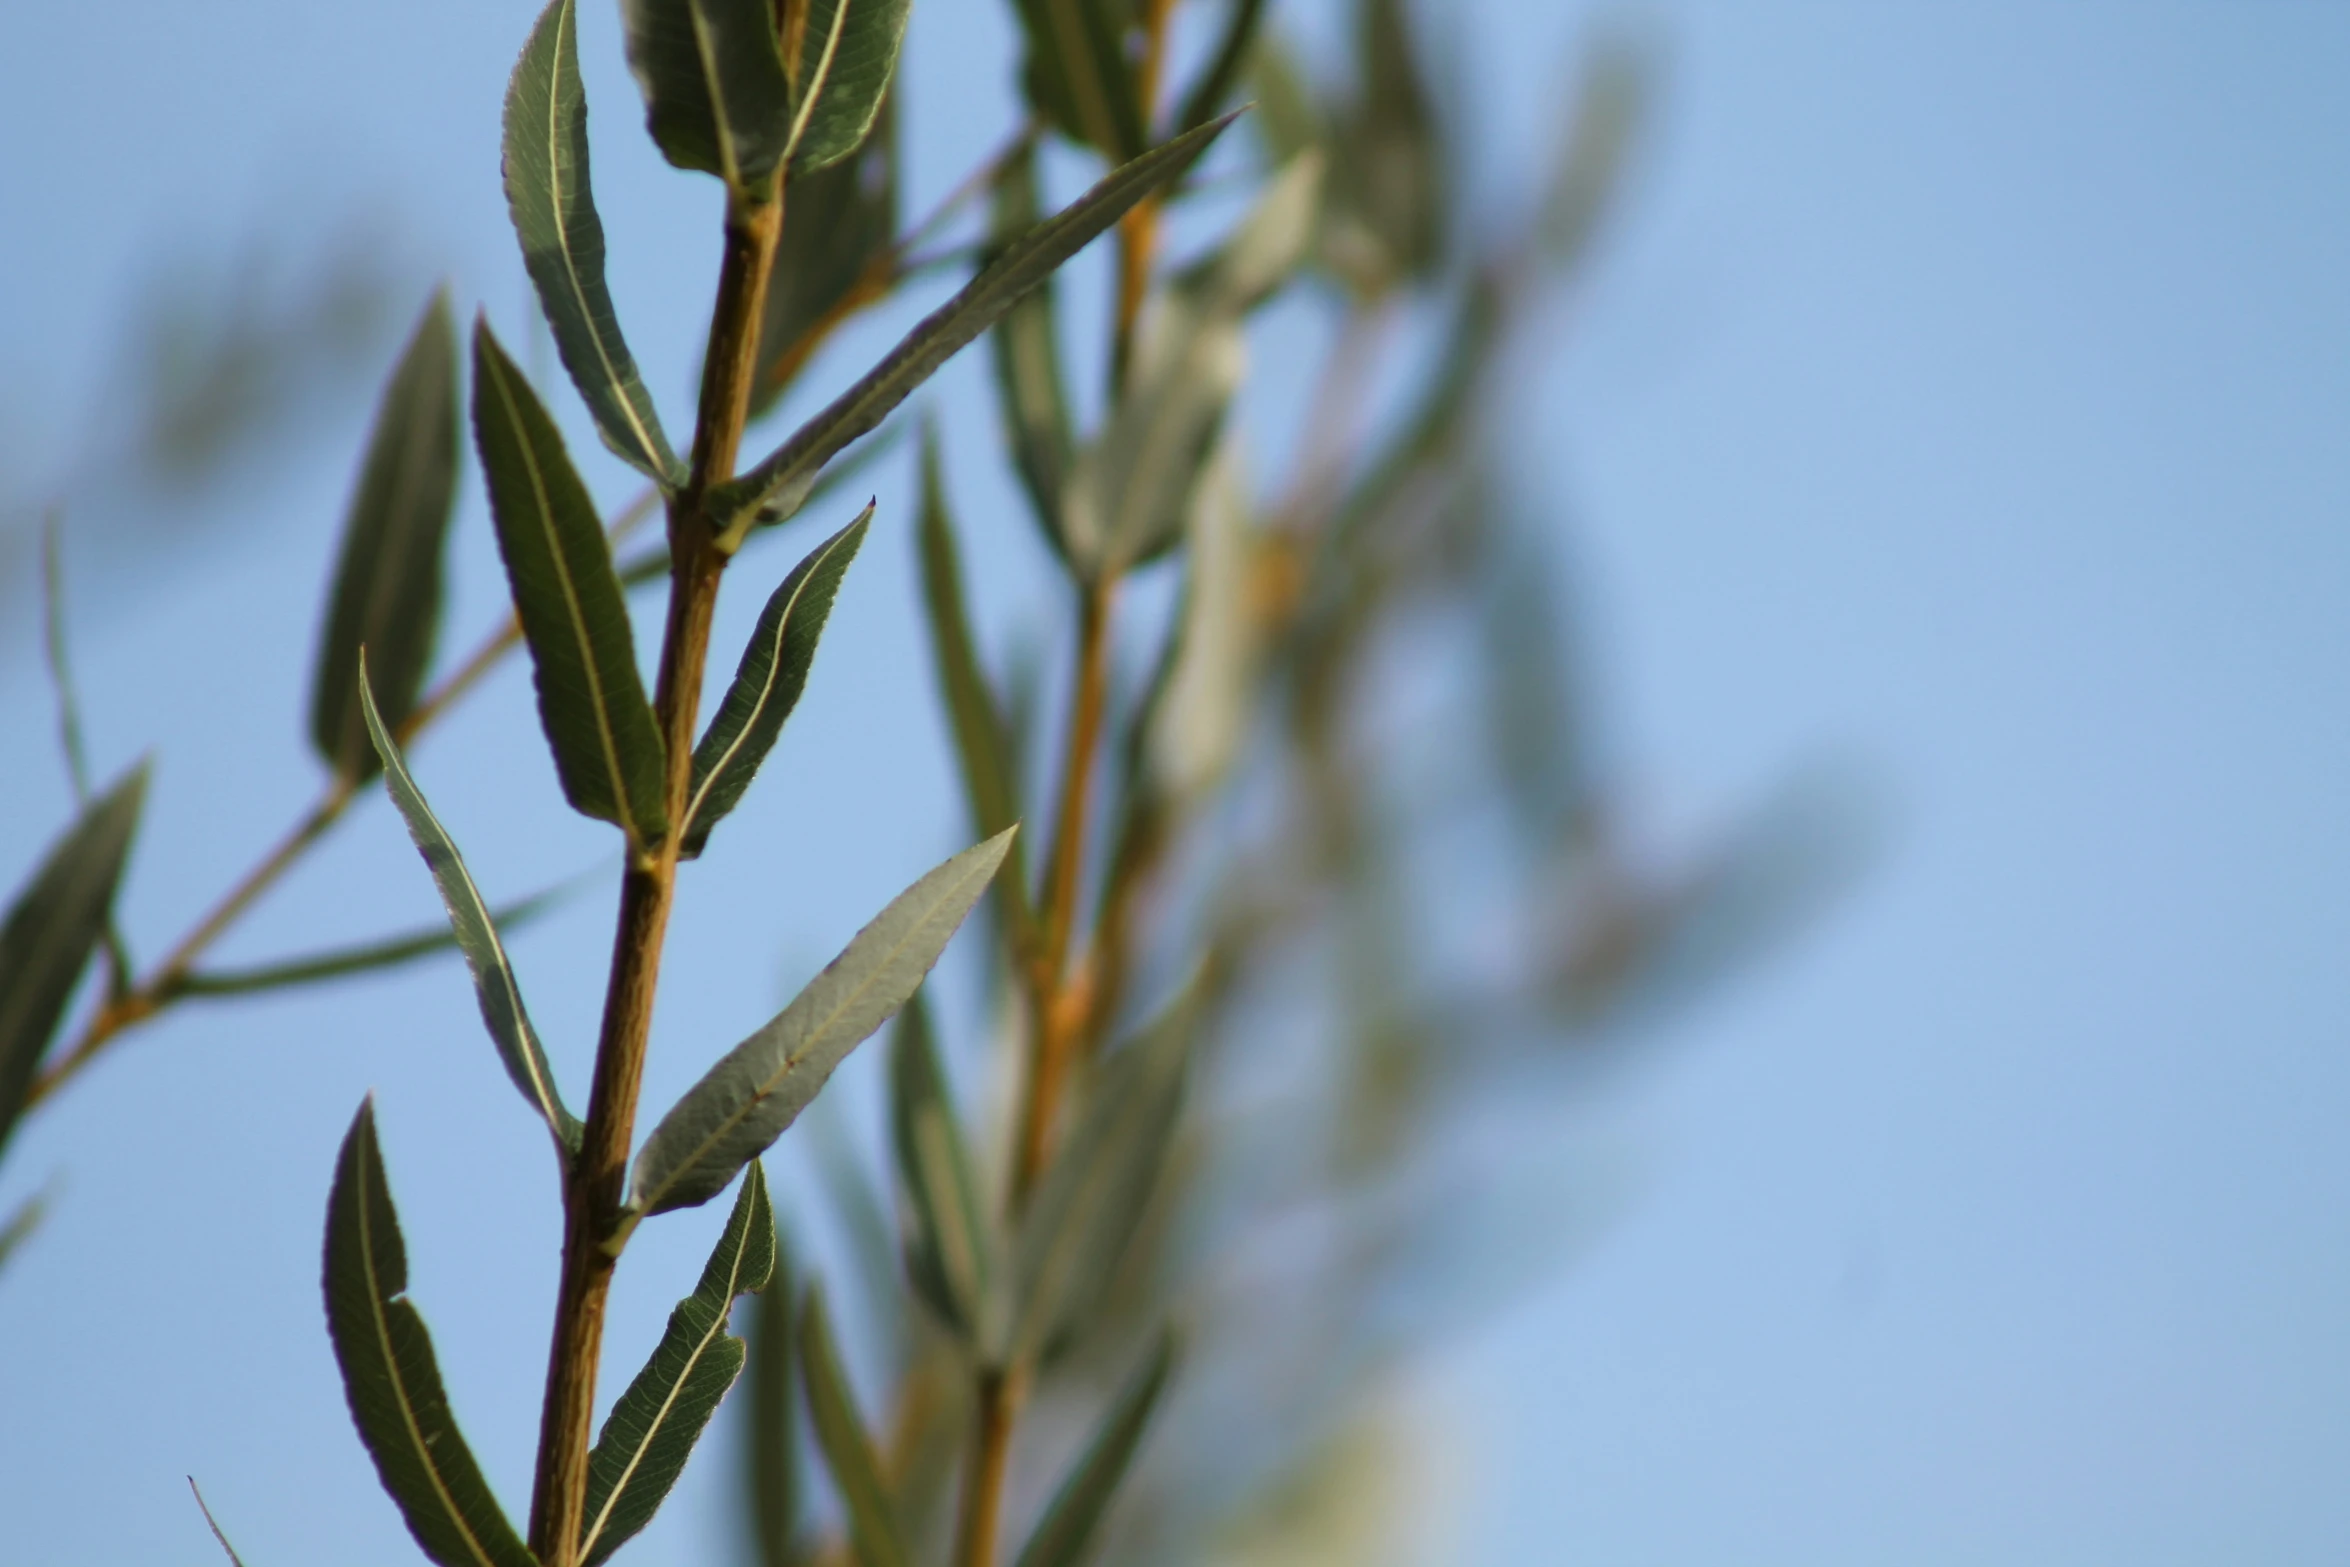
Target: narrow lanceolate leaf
554,211
771,1458
848,51
760,1086
768,682
1027,355
715,94
387,593
1207,94
848,1451
20,1225
1078,76
653,1427
391,1377
1092,1198
582,651
51,929
948,1250
833,256
1068,1526
978,725
781,480
476,934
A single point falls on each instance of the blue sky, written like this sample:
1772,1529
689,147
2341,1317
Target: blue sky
1963,392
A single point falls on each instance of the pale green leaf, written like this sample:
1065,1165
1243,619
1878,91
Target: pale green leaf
20,1225
779,483
715,94
771,1458
848,1451
554,211
1092,1197
949,1251
1241,21
1069,1524
51,929
767,683
391,1377
592,703
494,985
655,1423
387,592
847,54
758,1088
978,725
1077,74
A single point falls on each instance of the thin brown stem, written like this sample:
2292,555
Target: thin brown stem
593,1185
1138,231
979,1518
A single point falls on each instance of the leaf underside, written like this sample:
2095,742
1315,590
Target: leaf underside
712,77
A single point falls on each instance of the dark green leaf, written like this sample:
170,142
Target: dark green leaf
949,1253
760,1086
387,593
21,1224
772,1455
971,707
842,223
390,1375
1027,355
591,700
1207,95
847,54
554,215
1077,74
848,1451
363,957
715,94
1068,1525
767,683
779,484
54,925
1092,1198
1387,223
656,1422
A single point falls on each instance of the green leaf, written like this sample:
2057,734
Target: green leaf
842,224
592,703
1076,1512
554,211
978,725
715,94
494,984
1092,1198
390,1375
779,483
1387,219
772,1456
1077,75
848,1451
1027,355
21,1224
1215,84
51,929
363,957
767,683
760,1086
387,593
847,54
652,563
949,1252
656,1422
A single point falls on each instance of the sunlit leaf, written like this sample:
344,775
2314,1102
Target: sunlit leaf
846,55
391,1377
1069,1524
1092,1198
494,985
949,1252
387,592
778,484
767,683
592,703
56,922
554,211
1078,76
661,1415
848,1451
758,1088
980,741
